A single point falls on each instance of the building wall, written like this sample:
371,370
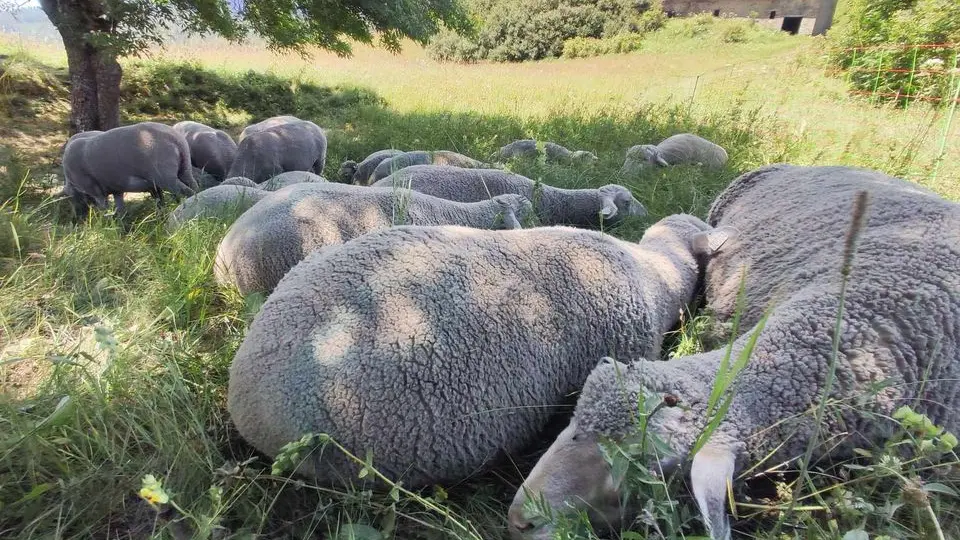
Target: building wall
743,8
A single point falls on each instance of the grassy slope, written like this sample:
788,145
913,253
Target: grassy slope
127,324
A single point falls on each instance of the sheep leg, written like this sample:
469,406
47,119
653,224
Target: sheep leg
119,207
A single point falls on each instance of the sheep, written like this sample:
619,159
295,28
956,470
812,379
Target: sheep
674,150
352,173
290,178
559,154
266,124
144,157
275,234
211,150
240,181
440,348
901,325
291,146
555,206
224,202
419,157
523,149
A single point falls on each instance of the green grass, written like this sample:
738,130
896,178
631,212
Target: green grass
115,340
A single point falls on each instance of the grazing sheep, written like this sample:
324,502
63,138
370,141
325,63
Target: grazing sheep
291,146
419,157
280,231
240,181
559,154
266,124
211,150
204,179
674,150
290,178
438,349
523,149
145,157
352,173
223,202
555,206
899,343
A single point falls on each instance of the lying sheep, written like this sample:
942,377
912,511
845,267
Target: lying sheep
901,325
522,149
223,202
240,181
211,150
145,157
439,348
555,206
290,146
290,178
559,154
409,159
280,231
352,173
266,124
675,150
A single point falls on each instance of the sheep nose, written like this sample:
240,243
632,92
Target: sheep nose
517,520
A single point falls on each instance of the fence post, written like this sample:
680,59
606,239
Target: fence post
876,82
954,81
913,71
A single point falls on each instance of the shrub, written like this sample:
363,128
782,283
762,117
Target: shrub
890,67
585,47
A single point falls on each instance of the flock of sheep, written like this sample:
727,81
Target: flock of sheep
413,312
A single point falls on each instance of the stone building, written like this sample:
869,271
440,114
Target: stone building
794,16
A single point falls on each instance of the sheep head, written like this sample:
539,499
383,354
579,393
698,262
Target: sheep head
347,170
617,200
669,399
513,209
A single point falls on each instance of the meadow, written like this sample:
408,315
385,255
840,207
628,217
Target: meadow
115,340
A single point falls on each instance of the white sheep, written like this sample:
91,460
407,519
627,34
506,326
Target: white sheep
683,148
225,203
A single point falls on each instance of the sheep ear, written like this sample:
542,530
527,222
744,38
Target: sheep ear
609,208
709,242
662,162
711,476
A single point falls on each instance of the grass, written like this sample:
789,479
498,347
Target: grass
115,341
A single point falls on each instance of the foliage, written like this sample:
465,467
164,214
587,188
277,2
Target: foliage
582,47
517,30
888,63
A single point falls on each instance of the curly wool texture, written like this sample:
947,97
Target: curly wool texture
441,348
223,202
240,181
279,231
683,148
360,174
901,319
290,178
419,157
554,206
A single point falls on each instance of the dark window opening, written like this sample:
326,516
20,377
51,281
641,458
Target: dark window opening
716,13
791,24
773,14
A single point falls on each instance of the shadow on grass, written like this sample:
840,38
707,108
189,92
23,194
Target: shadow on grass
165,413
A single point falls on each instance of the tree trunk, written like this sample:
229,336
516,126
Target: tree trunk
824,17
94,72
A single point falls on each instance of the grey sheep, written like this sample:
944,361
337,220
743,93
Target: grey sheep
145,157
224,202
523,148
280,231
360,174
559,154
240,181
555,206
420,157
674,150
290,178
440,348
291,146
211,150
266,124
899,341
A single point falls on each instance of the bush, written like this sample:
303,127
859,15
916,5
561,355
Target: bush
896,72
585,47
517,30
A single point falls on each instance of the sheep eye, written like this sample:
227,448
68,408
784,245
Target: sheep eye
670,400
